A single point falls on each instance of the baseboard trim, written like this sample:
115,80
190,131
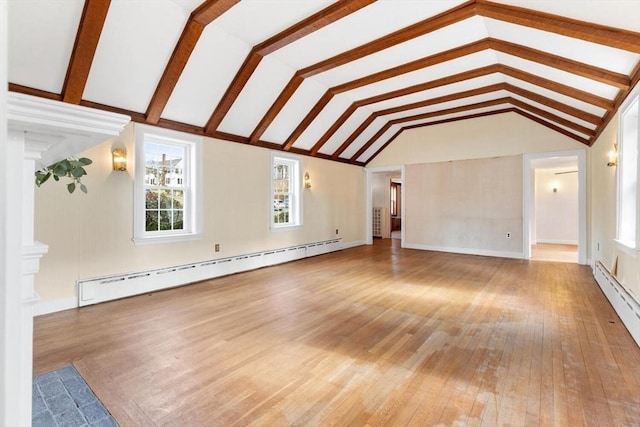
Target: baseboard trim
557,242
465,251
53,306
108,288
625,305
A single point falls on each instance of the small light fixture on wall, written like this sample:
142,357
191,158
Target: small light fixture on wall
555,189
307,180
119,159
613,156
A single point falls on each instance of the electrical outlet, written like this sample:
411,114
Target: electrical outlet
217,247
336,231
508,235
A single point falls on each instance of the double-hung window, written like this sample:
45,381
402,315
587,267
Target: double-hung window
628,141
167,186
286,197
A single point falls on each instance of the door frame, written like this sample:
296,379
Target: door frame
529,194
370,171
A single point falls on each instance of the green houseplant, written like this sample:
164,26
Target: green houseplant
71,167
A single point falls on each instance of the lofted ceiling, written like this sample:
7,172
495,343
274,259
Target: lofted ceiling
332,79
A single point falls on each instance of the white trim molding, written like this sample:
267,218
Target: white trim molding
466,251
69,129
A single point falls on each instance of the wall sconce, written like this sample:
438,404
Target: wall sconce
119,159
307,180
613,156
555,189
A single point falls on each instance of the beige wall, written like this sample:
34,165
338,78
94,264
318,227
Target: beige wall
602,208
466,205
556,213
90,235
500,135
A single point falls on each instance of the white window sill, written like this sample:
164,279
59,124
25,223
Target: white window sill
167,238
627,247
277,228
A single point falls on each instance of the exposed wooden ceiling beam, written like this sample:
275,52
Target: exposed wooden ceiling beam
553,117
449,17
554,86
92,21
206,13
504,100
467,75
600,34
413,106
618,80
454,119
454,110
551,126
303,28
418,64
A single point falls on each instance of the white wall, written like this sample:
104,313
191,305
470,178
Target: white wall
90,235
465,206
556,213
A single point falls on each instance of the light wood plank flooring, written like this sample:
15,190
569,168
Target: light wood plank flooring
375,335
556,253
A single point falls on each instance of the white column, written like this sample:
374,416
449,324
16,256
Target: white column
20,355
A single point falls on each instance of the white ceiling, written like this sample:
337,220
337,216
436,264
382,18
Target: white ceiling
573,73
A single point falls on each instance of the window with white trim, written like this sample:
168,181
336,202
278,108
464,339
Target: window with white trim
168,191
286,196
628,141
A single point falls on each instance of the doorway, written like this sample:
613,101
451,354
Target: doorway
385,210
555,207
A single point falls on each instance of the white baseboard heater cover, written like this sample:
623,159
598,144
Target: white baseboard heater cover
101,289
627,308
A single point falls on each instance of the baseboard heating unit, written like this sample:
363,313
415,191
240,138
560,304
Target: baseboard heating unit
93,291
627,308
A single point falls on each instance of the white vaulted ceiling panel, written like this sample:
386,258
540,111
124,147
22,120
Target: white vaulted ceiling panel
316,129
254,21
135,46
256,97
572,102
40,41
616,60
459,34
370,23
435,72
294,112
623,14
439,91
205,78
345,131
563,77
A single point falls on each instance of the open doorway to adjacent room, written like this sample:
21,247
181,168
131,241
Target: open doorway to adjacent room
554,209
385,203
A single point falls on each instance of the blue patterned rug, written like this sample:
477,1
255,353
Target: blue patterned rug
63,398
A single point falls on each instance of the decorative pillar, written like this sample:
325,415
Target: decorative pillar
40,132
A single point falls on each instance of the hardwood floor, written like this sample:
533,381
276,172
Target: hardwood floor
375,335
555,253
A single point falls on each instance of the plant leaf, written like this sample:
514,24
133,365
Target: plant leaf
71,187
83,188
77,172
85,161
60,169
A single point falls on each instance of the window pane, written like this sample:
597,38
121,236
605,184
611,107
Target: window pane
178,223
165,199
151,221
151,199
165,220
178,199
